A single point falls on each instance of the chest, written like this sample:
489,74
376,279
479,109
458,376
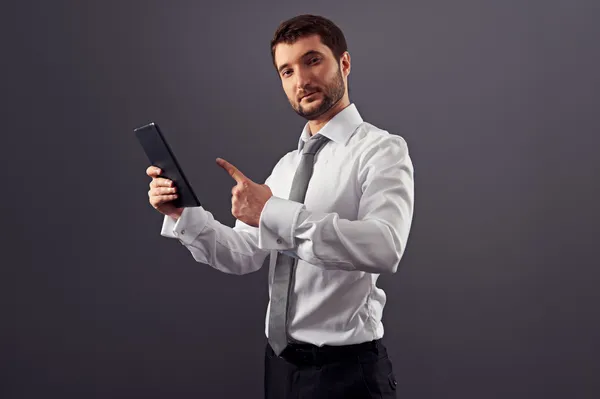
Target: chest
333,187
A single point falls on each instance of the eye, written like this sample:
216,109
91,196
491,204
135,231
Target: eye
286,72
314,60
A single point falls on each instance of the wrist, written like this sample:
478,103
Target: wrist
176,214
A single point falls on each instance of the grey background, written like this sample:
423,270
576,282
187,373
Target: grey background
496,296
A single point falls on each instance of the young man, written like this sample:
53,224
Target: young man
333,215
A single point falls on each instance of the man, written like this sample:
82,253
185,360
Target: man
328,242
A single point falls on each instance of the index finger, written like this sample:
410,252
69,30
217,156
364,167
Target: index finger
161,182
232,170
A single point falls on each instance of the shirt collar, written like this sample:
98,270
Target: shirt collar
338,129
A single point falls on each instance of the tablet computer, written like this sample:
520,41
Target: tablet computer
159,154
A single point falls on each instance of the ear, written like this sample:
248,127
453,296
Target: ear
345,64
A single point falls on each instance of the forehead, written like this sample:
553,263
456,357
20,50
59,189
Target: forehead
287,53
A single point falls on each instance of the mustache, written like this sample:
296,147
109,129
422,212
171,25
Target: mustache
306,92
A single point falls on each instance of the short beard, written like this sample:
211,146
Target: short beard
331,96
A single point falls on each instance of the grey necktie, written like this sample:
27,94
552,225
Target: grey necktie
285,265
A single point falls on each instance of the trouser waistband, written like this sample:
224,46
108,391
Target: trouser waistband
304,353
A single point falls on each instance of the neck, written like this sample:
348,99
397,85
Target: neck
317,124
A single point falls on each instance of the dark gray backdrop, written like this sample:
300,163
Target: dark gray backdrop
496,296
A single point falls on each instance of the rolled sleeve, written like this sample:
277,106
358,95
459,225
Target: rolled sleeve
277,223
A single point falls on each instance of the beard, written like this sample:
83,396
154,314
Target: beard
332,94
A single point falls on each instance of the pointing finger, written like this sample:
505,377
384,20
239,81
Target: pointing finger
232,170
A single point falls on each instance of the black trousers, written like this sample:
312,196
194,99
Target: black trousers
305,371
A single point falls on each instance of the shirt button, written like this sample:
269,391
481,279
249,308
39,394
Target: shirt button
279,241
183,231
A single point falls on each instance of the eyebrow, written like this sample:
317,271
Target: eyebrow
310,52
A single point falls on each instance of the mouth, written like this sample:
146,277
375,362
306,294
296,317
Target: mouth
308,95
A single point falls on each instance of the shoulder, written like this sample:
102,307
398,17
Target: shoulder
370,141
381,156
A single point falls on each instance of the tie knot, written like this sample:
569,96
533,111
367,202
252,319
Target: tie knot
313,145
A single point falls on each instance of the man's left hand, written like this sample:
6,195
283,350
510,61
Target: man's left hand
248,198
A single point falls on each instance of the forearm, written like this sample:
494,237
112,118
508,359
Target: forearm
327,241
230,250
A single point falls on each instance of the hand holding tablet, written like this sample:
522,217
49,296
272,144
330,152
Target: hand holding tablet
170,191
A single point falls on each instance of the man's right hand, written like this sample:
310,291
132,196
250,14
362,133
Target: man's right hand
162,192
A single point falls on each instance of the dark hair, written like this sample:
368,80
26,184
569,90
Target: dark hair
306,25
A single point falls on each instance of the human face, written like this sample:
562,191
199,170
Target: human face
310,75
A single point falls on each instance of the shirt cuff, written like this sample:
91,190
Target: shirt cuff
189,225
278,223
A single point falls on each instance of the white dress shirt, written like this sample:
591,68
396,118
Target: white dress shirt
354,225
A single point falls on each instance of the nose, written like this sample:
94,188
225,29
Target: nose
303,79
